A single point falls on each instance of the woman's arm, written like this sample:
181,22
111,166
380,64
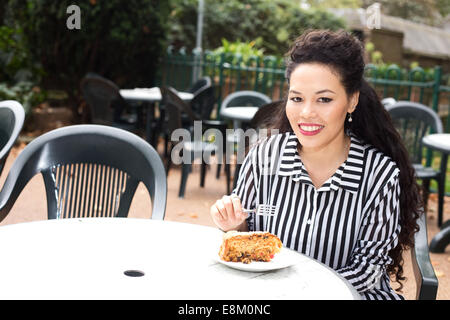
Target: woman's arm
378,235
227,212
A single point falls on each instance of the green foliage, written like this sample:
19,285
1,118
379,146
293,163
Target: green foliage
276,22
392,71
376,57
324,4
443,6
16,63
18,71
239,55
242,51
25,92
121,41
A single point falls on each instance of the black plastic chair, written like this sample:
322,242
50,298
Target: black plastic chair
241,99
106,105
203,102
414,121
245,98
261,120
426,280
264,116
12,116
175,108
88,171
200,106
200,83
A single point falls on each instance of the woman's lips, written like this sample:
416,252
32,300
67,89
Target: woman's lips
310,129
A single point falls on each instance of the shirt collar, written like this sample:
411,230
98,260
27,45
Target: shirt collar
347,176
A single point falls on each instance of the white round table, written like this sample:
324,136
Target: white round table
88,259
150,94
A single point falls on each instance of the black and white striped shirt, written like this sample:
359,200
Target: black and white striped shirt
350,223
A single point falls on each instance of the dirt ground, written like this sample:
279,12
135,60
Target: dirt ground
194,208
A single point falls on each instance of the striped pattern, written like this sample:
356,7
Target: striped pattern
88,190
350,223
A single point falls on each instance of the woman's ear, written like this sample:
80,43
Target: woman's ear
354,99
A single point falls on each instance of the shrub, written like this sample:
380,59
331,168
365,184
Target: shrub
276,22
15,59
19,73
120,40
24,92
244,50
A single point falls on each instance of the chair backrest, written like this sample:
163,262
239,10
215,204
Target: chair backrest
12,116
170,97
203,102
174,106
245,98
201,83
388,101
88,171
103,99
426,280
413,121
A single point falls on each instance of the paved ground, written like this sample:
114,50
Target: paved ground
194,208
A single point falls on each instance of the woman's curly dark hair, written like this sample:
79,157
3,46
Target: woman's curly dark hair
344,54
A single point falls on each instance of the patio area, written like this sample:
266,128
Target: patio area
194,209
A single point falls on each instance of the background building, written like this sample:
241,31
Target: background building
402,41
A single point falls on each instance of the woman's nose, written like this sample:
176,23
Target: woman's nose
307,110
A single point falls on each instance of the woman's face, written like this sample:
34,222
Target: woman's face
317,106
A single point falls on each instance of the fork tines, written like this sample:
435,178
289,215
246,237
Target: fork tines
266,210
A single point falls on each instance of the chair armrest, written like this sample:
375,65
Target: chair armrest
13,186
21,171
19,118
427,283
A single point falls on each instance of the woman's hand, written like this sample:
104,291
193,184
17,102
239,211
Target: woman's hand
227,214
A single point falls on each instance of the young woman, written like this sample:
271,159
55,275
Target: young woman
338,172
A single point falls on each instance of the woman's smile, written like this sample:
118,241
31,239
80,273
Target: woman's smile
310,129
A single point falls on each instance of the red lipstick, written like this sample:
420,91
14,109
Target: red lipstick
310,129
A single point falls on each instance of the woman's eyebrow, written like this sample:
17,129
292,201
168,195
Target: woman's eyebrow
318,92
325,90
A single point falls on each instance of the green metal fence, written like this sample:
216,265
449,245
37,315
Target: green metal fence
429,88
230,73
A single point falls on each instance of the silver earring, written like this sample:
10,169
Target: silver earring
350,117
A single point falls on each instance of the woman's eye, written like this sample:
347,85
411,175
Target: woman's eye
325,100
296,99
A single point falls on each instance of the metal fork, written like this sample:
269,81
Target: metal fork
263,210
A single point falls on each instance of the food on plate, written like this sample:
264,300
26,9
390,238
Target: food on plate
249,246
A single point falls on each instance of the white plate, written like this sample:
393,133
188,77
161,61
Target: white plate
282,259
